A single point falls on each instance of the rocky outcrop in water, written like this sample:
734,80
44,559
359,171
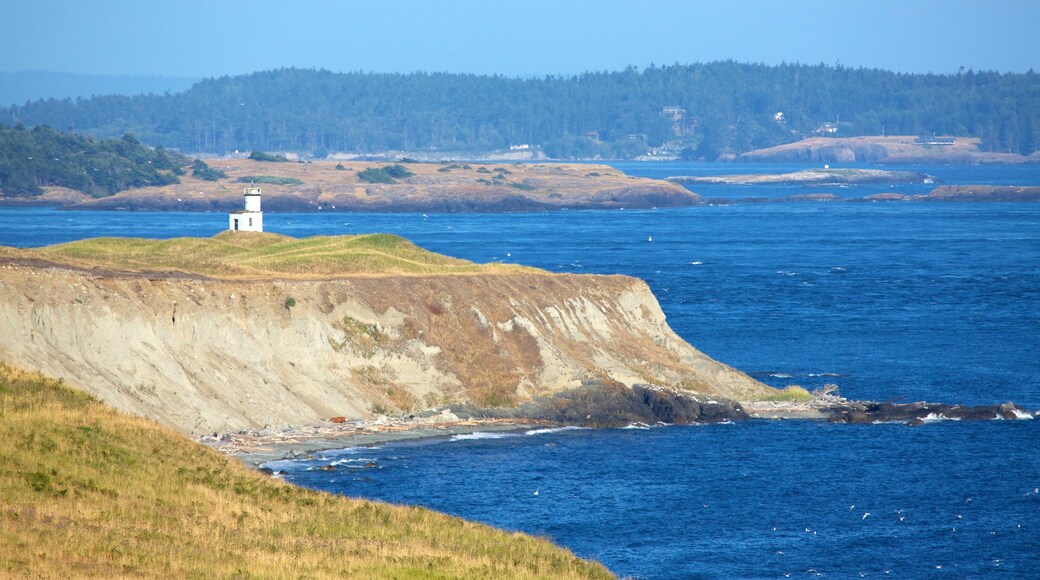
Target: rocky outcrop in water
603,404
827,405
920,413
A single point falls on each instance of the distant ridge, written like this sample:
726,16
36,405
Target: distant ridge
18,88
700,111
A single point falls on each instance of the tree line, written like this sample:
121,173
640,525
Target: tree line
33,159
706,110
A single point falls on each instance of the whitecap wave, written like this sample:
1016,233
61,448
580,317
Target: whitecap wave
696,263
636,426
554,430
481,435
1023,415
361,460
936,417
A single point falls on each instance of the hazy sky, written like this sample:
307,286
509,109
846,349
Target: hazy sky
514,38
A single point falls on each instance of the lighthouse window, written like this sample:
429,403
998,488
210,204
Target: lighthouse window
250,222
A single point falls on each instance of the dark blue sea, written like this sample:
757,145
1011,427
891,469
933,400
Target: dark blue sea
890,301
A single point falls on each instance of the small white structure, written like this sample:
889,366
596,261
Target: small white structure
251,219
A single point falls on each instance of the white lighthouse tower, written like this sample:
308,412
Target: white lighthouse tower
251,219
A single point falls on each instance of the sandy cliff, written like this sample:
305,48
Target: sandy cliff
206,355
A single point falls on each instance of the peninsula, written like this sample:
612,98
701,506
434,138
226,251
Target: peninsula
250,330
291,186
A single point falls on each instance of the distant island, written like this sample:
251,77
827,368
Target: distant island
43,166
825,176
846,177
702,111
889,150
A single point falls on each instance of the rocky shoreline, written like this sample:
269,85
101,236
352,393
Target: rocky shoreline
594,405
824,176
827,405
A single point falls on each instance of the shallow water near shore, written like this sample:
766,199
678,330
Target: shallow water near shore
937,302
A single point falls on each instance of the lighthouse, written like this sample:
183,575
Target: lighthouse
251,219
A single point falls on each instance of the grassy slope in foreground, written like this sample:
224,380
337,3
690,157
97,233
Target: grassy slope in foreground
88,491
251,255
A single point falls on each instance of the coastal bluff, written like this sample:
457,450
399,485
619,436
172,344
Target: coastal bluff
245,331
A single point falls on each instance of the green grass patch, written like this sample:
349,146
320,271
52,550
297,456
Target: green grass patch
790,394
269,180
261,255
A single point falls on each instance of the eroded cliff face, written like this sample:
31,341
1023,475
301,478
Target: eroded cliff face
204,355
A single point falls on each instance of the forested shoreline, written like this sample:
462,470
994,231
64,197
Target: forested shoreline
700,111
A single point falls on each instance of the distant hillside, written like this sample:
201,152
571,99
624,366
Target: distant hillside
18,88
697,111
32,160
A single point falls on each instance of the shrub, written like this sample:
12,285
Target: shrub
790,394
397,171
386,174
375,175
262,156
290,302
201,170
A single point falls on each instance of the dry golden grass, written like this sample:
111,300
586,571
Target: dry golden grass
435,187
251,255
87,491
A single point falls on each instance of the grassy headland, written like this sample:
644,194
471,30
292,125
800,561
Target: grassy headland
251,255
88,491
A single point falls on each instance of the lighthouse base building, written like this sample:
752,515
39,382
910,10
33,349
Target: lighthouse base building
251,219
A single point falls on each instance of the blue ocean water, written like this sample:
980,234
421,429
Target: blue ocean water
936,302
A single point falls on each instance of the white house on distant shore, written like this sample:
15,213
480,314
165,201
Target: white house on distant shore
251,219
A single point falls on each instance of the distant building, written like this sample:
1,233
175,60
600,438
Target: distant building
933,140
826,129
251,219
680,124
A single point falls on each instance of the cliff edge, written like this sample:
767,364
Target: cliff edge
224,350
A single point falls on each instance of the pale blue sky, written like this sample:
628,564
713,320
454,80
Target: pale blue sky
517,38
